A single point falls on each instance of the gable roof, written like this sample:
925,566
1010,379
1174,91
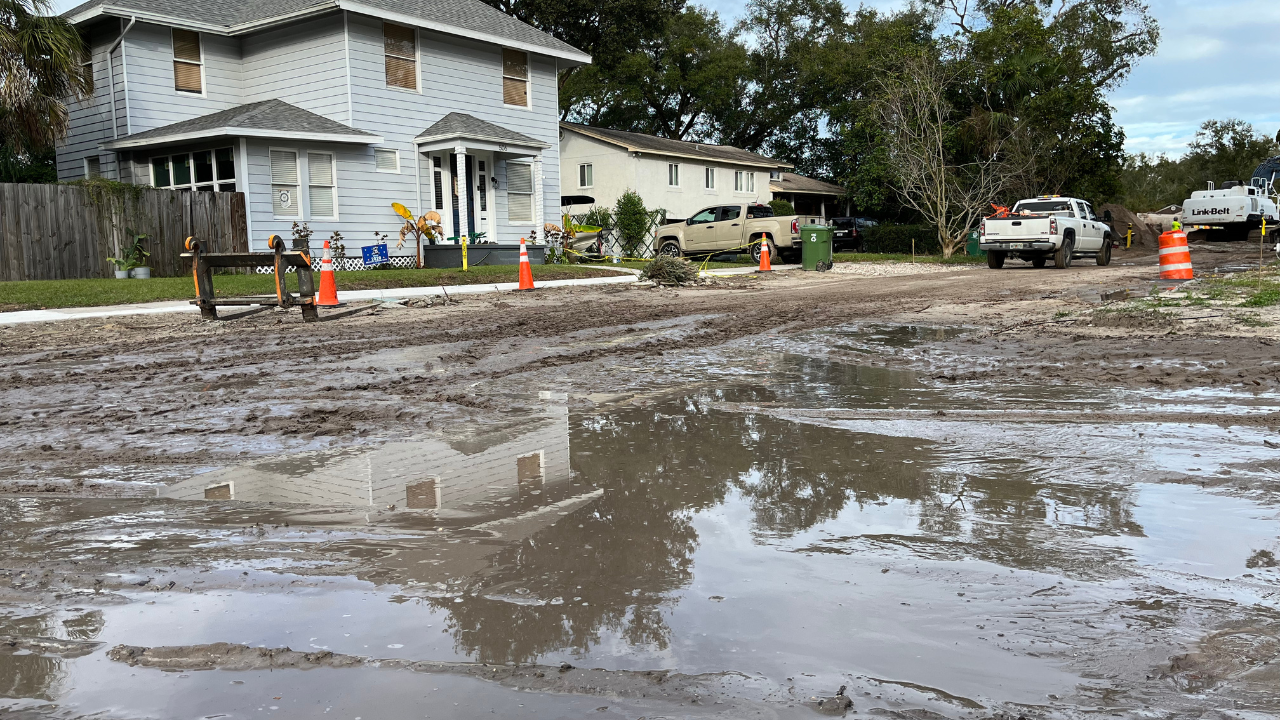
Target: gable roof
269,119
641,143
462,125
465,18
793,183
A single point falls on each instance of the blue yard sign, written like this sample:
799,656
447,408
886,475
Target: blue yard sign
375,254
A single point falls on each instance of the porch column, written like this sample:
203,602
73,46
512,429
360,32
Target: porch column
539,202
460,190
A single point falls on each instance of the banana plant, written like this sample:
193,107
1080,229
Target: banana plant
427,226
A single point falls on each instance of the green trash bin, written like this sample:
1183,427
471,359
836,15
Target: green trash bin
971,245
815,247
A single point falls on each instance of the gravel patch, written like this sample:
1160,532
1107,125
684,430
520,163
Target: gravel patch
886,269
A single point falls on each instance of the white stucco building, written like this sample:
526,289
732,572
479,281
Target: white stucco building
677,176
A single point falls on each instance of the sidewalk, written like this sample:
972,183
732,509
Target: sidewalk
182,306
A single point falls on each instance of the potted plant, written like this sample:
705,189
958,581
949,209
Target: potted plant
132,262
123,266
137,255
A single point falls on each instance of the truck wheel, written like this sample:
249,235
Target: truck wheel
995,259
671,248
1062,258
773,252
1039,262
1103,257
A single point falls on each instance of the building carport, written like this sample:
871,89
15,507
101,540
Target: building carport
809,196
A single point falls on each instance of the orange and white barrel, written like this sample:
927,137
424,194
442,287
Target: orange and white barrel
1175,256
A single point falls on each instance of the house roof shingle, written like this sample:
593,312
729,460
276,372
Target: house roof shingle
468,18
639,142
462,125
269,118
793,183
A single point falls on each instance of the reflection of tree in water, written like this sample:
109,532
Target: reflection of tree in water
627,552
35,676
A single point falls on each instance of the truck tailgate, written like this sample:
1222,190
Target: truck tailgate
1011,228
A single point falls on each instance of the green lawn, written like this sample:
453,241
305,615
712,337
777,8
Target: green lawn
41,294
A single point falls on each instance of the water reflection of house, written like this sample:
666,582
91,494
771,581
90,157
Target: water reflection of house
527,465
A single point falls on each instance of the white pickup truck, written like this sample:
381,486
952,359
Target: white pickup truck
1046,227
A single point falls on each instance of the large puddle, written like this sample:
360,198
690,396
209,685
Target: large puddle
922,562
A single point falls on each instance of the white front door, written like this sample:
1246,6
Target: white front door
482,196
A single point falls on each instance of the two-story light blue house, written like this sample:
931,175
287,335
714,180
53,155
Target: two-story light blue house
327,111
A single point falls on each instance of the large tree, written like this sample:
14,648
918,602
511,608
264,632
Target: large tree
674,86
608,30
42,65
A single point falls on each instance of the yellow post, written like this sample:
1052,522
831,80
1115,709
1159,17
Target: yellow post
1128,237
464,253
1262,241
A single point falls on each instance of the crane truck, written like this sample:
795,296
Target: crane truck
1236,211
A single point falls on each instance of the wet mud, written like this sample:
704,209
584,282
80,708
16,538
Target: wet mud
786,497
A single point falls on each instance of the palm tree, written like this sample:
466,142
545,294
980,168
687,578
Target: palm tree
42,66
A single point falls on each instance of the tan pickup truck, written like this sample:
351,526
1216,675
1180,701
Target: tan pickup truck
725,227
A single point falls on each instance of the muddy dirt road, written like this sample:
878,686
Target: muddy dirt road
963,493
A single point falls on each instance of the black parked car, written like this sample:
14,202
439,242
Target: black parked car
847,233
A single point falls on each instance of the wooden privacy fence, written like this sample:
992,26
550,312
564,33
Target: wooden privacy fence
58,232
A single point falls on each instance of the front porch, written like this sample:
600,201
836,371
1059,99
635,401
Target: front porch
485,181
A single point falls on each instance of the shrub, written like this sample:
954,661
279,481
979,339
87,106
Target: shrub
632,222
897,239
782,207
597,216
667,270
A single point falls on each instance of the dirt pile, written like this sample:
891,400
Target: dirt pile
1121,217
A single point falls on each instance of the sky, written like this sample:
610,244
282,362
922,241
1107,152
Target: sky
1218,59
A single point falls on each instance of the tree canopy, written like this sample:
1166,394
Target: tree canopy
798,80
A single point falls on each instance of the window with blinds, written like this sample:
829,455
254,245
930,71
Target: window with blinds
515,78
400,50
320,185
438,179
92,167
188,62
519,192
284,183
386,160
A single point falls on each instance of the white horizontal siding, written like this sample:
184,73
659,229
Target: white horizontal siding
455,75
89,121
153,101
302,64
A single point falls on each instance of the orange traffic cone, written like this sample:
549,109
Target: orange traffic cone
764,256
328,288
1175,256
526,270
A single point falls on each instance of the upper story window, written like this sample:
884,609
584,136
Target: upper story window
92,167
775,174
400,48
673,174
515,78
744,181
586,175
711,178
188,62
